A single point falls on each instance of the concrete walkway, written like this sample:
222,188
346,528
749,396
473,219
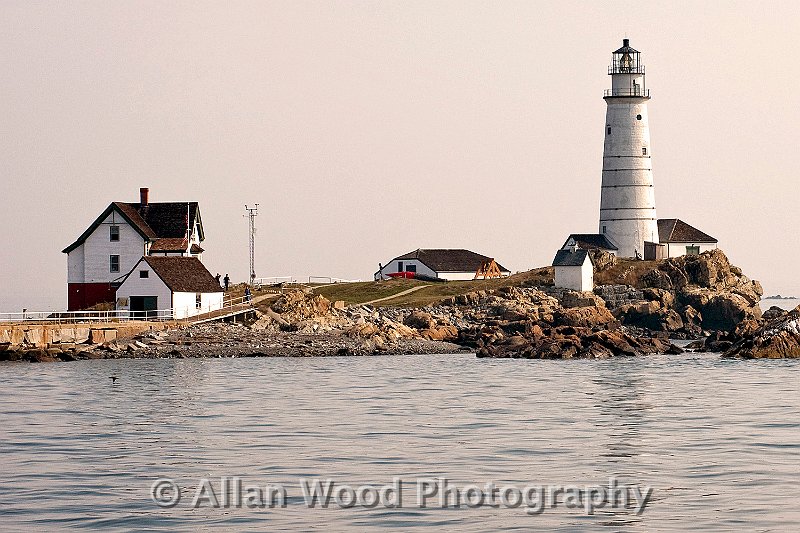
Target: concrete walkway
263,297
398,295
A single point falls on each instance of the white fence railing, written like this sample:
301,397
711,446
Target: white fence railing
186,313
292,280
328,279
274,280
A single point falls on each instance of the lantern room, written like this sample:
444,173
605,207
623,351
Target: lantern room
627,73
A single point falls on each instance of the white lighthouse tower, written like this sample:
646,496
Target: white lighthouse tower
627,198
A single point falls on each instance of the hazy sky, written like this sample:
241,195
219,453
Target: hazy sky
369,129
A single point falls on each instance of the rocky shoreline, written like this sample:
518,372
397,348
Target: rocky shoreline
691,297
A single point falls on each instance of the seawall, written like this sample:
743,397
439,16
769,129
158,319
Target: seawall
37,335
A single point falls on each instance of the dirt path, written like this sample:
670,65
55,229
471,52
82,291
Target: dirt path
263,297
398,295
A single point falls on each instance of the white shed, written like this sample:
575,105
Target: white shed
574,269
182,284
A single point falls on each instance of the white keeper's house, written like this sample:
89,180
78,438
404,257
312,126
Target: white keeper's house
117,239
181,284
444,264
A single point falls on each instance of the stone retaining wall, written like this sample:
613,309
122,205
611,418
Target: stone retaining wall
16,336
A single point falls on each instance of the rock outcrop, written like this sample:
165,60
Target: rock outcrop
778,338
567,342
687,295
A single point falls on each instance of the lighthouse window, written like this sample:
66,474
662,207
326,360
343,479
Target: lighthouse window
644,150
608,130
638,117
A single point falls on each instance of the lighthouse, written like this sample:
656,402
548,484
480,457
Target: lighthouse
627,197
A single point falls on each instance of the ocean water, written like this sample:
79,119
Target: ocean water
718,441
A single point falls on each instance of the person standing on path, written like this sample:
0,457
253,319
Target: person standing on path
227,281
217,278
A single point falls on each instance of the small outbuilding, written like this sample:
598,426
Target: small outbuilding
444,264
574,269
181,284
677,238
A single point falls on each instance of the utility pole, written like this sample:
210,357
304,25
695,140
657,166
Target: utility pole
252,212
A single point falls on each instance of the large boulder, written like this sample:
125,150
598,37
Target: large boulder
572,299
657,279
652,315
419,320
720,310
440,333
602,260
588,317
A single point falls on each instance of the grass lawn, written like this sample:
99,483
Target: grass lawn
365,291
625,272
355,293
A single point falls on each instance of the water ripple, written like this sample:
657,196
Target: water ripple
717,439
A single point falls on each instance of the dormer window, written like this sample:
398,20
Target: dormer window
113,233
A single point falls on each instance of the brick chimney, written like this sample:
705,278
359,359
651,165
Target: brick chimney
144,194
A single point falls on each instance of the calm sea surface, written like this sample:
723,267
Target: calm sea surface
719,441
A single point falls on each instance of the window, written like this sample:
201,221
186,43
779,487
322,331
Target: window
113,263
692,250
400,266
113,233
144,273
638,117
608,129
198,300
644,150
411,268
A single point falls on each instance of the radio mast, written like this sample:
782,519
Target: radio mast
252,212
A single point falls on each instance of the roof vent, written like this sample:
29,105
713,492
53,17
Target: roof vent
626,42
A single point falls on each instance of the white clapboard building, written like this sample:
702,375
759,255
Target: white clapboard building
181,284
444,264
120,236
676,238
574,269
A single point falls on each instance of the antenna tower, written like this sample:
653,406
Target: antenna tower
252,212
